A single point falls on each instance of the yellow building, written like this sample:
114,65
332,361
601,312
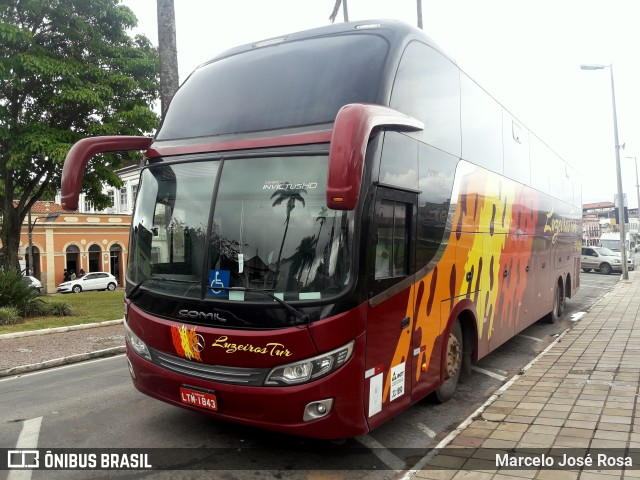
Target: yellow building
93,242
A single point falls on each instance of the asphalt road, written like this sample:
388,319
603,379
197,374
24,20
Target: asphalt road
94,405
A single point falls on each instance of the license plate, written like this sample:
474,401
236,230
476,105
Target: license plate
199,399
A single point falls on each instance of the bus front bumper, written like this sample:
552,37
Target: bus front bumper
279,409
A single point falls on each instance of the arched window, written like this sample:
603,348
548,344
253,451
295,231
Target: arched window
115,261
72,260
95,258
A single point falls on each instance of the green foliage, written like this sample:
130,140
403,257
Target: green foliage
88,307
9,316
14,292
68,70
59,308
37,308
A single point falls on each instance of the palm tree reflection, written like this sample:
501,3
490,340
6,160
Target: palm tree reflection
303,258
291,196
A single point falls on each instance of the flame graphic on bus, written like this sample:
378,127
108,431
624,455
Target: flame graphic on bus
184,341
509,214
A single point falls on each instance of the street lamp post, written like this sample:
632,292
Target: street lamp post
635,160
623,248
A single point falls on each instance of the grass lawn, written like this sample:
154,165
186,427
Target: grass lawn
86,307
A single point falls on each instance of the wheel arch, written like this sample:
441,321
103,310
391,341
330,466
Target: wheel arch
465,312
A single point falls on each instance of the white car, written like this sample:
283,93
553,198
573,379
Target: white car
33,282
90,281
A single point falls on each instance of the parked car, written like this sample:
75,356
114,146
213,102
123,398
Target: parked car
33,282
91,281
600,258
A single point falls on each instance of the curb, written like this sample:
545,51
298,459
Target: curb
45,331
57,362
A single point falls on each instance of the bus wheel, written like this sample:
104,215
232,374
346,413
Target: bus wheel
453,365
558,304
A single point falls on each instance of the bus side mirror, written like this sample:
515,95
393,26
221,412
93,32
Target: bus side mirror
354,125
80,154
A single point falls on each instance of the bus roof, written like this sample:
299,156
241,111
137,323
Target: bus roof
395,31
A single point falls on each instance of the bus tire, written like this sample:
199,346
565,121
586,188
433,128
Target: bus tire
558,303
453,364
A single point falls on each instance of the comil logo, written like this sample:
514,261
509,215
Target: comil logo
23,459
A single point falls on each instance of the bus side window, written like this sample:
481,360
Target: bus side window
392,239
427,87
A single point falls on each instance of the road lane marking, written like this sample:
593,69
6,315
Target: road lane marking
530,337
489,373
426,430
28,439
384,455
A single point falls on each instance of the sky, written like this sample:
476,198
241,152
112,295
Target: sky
526,53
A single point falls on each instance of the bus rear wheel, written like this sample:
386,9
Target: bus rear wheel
453,364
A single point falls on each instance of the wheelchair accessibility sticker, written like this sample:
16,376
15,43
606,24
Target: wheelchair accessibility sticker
220,279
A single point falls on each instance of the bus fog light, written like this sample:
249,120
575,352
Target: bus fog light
318,409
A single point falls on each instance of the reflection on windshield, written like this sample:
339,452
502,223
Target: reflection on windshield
270,230
170,226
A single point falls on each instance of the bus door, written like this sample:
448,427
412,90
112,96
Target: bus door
391,259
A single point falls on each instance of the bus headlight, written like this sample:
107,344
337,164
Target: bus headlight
136,344
311,368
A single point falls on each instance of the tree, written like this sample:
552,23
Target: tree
68,70
291,196
167,49
303,258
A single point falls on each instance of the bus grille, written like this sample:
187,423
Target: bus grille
214,373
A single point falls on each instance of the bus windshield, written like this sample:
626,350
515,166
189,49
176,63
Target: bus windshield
267,229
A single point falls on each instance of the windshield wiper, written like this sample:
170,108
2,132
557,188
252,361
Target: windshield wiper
137,286
300,316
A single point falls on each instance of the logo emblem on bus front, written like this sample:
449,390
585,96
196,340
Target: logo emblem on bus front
187,342
197,343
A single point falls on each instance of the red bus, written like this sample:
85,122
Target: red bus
332,225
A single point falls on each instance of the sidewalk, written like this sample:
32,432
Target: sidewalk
28,351
580,394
